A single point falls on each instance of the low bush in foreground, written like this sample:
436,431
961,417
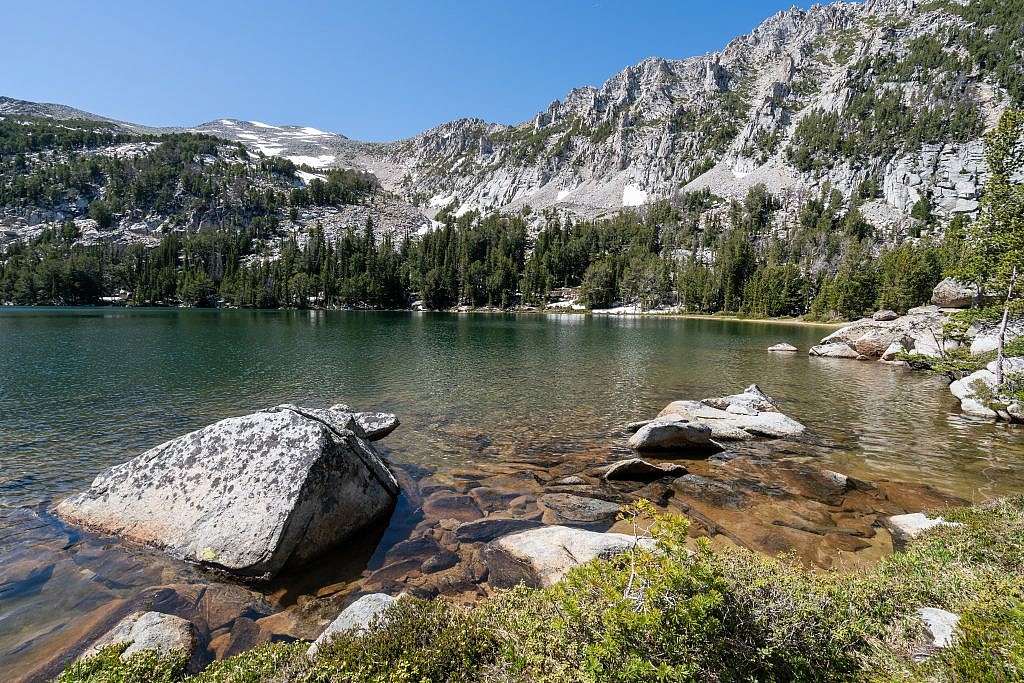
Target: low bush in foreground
675,614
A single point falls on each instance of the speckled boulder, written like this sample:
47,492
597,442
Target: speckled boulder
246,494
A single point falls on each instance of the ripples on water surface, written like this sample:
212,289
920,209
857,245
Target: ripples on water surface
83,389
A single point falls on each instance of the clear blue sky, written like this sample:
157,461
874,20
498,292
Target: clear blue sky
373,70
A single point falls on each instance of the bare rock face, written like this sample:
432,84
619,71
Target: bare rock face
247,494
542,557
164,633
951,294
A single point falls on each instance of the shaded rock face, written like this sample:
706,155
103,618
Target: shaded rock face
951,294
246,494
149,631
738,417
356,618
542,557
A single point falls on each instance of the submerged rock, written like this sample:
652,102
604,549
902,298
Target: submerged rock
246,494
738,417
636,469
164,633
356,618
673,432
542,557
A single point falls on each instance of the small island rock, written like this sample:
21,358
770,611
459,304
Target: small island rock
782,348
738,417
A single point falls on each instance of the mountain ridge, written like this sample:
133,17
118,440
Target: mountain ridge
723,121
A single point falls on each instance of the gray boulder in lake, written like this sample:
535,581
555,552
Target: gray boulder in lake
247,494
737,417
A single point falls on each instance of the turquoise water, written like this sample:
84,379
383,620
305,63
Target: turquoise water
82,389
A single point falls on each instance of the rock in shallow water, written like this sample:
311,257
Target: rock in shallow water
673,432
246,494
636,469
782,348
738,417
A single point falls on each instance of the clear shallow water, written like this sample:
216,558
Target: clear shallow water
82,389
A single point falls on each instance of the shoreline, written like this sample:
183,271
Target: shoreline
514,311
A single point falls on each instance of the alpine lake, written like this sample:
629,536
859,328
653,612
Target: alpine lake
496,410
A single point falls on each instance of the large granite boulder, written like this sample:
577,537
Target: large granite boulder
164,633
542,557
952,294
738,417
247,494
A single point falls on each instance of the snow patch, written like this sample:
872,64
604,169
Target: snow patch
308,177
632,195
313,131
316,162
227,122
562,194
260,124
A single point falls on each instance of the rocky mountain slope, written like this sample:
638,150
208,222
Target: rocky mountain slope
886,100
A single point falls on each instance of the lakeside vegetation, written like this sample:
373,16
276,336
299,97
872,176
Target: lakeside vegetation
672,614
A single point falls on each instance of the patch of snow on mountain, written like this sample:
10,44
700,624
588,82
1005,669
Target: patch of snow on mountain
632,195
562,194
307,178
313,131
321,161
260,124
